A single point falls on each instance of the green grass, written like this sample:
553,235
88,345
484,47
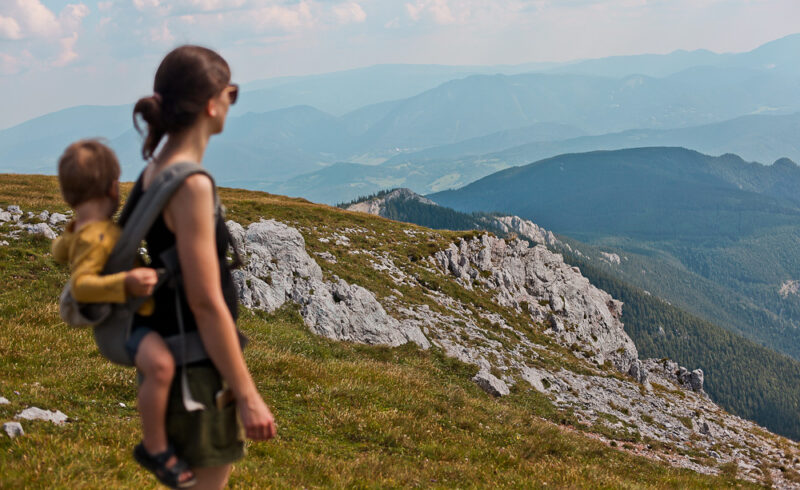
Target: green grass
348,415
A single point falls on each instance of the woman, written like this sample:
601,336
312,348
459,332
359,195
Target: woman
191,100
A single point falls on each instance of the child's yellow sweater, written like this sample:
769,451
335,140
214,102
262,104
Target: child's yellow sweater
87,250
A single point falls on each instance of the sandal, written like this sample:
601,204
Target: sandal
157,464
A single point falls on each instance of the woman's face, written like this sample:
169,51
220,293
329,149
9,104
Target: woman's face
219,105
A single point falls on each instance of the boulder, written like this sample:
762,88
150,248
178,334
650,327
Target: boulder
14,210
13,429
638,372
5,216
490,383
278,269
57,219
35,413
41,229
4,400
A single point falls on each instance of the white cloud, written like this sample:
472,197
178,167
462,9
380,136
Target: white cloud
349,12
68,54
9,28
284,17
162,34
441,11
9,65
104,6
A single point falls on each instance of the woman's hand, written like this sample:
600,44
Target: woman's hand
259,424
141,281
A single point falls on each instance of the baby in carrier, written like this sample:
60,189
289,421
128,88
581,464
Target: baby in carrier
88,173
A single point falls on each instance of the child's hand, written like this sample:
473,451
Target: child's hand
141,281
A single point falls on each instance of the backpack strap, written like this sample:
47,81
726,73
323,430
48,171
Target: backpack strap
145,211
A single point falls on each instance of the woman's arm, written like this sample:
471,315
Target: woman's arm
190,215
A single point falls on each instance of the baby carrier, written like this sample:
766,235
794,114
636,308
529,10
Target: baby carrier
112,322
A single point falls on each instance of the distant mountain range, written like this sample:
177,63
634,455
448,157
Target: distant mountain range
388,114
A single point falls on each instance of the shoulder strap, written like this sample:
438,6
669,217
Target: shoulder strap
131,201
146,210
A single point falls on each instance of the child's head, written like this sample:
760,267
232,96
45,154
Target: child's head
87,170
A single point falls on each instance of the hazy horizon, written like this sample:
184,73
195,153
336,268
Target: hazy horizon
54,56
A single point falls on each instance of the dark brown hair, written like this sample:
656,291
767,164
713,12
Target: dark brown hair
87,169
186,79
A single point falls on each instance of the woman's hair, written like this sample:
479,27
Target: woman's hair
187,77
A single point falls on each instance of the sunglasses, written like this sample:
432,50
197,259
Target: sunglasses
233,93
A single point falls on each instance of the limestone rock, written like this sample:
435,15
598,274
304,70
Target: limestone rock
526,229
5,216
490,383
35,413
14,210
44,215
57,219
638,372
13,429
278,269
4,400
538,281
41,229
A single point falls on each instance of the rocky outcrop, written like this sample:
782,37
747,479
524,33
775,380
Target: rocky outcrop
377,205
278,269
537,281
13,429
524,228
679,375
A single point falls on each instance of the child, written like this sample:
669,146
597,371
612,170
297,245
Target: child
88,173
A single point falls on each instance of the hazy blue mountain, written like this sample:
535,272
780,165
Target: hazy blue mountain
779,55
733,223
34,146
256,150
759,138
345,91
652,65
480,105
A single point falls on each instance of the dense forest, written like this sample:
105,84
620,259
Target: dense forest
743,377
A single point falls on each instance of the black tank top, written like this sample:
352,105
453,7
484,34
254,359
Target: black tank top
164,318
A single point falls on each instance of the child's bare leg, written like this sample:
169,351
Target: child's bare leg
155,362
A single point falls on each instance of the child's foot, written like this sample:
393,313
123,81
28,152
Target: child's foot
168,468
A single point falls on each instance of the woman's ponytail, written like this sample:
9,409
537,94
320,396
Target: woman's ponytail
186,79
148,109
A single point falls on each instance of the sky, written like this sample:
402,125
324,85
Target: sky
56,54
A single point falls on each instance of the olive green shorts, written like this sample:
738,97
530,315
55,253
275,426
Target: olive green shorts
204,438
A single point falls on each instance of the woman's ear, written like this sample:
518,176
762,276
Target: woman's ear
211,107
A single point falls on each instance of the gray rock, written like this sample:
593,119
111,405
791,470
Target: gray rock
13,429
4,400
44,215
41,229
35,413
14,210
538,281
5,216
490,383
696,379
638,372
3,243
278,269
715,455
57,219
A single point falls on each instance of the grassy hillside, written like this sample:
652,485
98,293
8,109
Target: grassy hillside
746,378
348,415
